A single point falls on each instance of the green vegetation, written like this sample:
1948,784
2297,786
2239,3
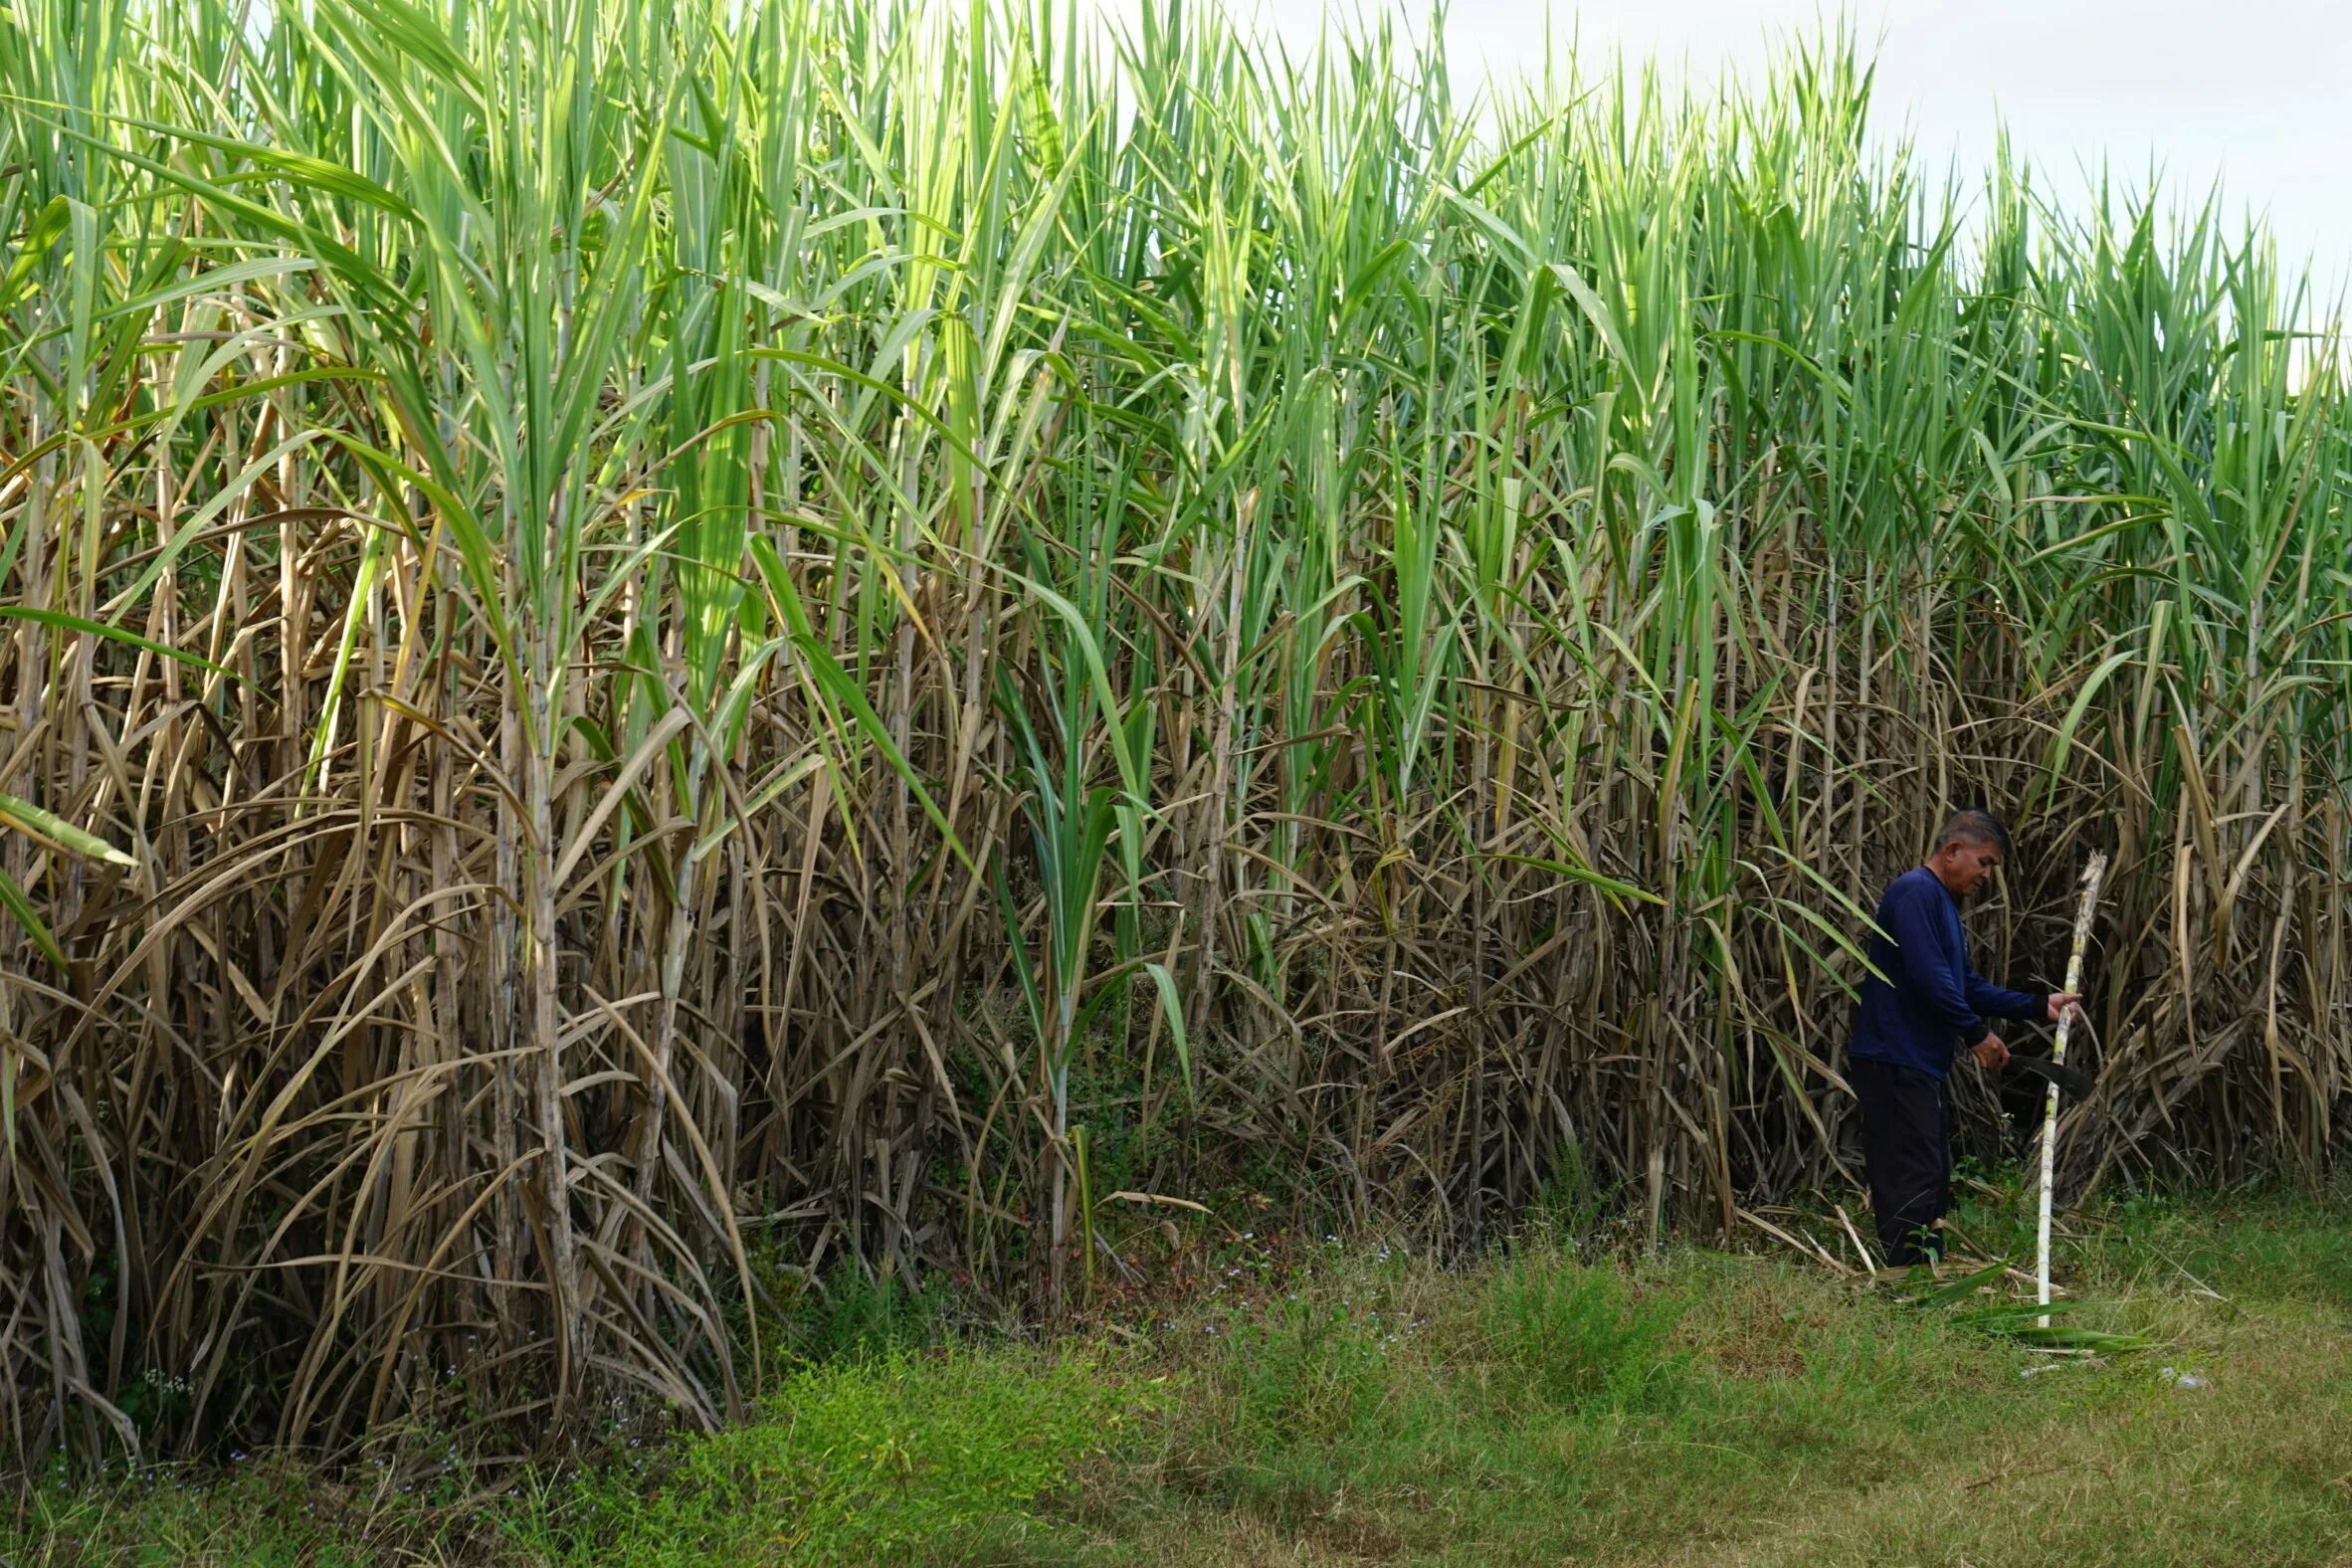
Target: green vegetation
650,644
1699,1408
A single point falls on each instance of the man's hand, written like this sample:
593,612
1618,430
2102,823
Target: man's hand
2064,1002
1991,1054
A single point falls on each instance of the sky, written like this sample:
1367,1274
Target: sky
2255,93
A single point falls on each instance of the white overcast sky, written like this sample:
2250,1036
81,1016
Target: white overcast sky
2255,93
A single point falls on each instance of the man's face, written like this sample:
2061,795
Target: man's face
1966,868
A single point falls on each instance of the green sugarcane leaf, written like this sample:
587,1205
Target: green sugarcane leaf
836,681
1023,967
74,623
1583,873
12,897
1172,1007
54,829
46,231
2060,744
1963,1287
2062,1336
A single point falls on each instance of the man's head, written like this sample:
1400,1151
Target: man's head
1967,853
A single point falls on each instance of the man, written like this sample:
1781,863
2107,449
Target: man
1908,1026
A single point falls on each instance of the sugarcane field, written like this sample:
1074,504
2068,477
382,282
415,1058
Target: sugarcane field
880,781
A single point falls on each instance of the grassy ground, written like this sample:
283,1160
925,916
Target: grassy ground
1330,1406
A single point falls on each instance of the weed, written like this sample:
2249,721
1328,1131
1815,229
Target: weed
861,1315
1579,1337
861,1459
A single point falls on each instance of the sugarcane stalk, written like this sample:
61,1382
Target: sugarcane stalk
2092,876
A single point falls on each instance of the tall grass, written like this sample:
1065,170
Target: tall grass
634,625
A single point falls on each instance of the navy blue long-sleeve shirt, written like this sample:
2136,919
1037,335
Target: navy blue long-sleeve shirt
1931,1002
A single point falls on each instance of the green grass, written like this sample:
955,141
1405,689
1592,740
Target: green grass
1350,1407
867,1458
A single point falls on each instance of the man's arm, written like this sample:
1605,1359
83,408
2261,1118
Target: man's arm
1911,921
1994,1000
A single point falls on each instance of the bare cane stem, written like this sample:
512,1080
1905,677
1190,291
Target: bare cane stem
2092,876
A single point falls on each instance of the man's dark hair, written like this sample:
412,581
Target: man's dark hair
1974,826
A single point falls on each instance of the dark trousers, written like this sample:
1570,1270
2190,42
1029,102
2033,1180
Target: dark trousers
1906,1125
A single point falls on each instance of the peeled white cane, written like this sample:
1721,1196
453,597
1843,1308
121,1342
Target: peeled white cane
2091,876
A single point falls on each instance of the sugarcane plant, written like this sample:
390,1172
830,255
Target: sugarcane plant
731,640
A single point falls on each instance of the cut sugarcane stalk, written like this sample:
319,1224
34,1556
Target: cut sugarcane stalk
2092,876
